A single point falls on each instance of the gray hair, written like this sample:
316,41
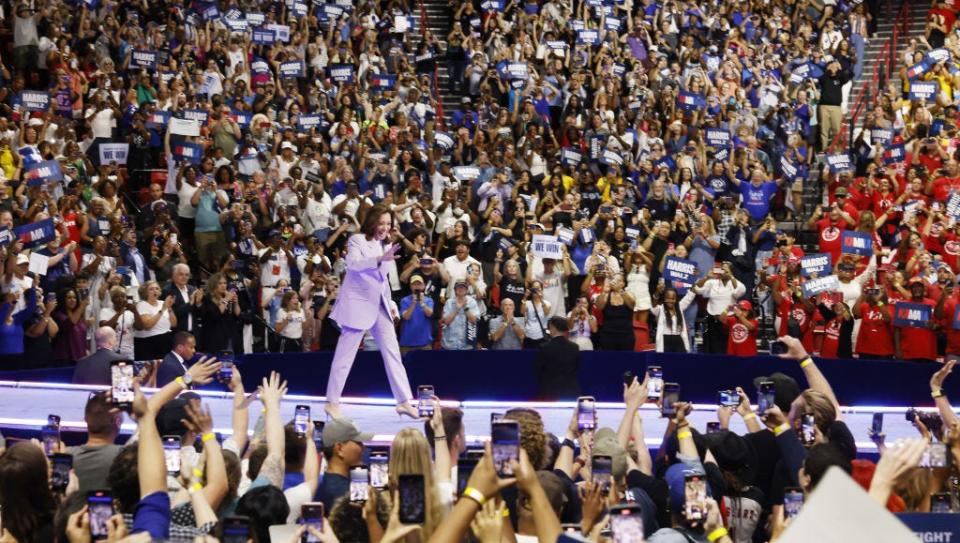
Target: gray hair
105,337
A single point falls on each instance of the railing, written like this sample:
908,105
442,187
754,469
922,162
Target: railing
886,64
435,83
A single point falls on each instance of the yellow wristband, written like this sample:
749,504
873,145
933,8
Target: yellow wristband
197,472
181,382
195,487
506,513
684,435
716,534
749,416
208,436
806,362
781,429
474,495
936,393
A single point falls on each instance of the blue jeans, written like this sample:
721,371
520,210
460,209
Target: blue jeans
859,45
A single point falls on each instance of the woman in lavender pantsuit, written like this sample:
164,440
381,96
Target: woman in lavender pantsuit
363,305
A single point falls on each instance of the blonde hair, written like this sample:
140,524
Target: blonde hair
410,455
824,413
145,287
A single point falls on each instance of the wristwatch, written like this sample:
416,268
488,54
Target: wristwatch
187,379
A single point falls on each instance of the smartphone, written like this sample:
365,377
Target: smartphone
311,515
602,471
728,398
60,477
173,238
654,382
235,529
301,417
50,435
379,471
586,413
765,399
626,523
877,425
54,420
808,429
171,453
695,490
100,509
122,270
121,384
792,501
505,438
935,456
318,433
671,395
940,503
465,467
225,373
225,356
496,417
412,499
426,261
359,480
425,394
778,347
713,427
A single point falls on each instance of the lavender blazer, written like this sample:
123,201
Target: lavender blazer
365,288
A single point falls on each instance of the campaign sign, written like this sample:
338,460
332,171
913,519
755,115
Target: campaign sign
241,118
263,36
491,5
292,69
35,100
894,154
690,101
237,25
39,173
911,315
6,236
828,283
189,152
788,168
839,162
342,73
857,243
518,70
211,13
953,205
546,247
299,9
306,122
917,70
611,158
938,55
595,145
565,235
466,173
588,36
570,156
680,272
282,32
144,59
158,119
114,152
880,135
199,115
383,81
443,140
255,19
932,526
558,46
817,263
184,127
35,234
923,90
717,137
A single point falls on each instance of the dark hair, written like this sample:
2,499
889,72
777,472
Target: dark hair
255,462
347,521
25,497
822,457
70,505
124,480
559,324
100,421
372,219
452,424
676,309
296,448
181,338
234,475
266,506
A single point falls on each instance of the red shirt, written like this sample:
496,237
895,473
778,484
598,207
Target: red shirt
741,341
831,338
943,186
830,236
876,336
918,343
950,321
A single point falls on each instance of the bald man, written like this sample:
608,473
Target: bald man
95,369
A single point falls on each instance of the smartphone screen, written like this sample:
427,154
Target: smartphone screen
586,413
496,417
171,453
60,477
312,516
877,425
121,383
713,427
412,499
626,524
765,399
695,488
318,433
425,395
728,398
225,373
671,395
54,420
301,417
236,530
602,471
778,347
940,503
505,437
935,456
807,428
655,382
379,471
359,480
792,502
100,508
464,471
50,435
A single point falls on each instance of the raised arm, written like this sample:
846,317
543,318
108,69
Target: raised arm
271,392
815,378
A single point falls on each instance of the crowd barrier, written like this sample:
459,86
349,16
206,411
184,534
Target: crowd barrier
509,376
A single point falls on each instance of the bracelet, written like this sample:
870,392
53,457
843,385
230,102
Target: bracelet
938,393
716,534
208,436
684,435
506,512
196,487
182,383
197,472
568,443
749,416
781,429
474,495
806,362
438,438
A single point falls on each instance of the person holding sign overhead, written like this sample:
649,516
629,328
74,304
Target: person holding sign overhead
914,332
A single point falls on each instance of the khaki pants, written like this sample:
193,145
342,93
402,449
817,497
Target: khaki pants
829,118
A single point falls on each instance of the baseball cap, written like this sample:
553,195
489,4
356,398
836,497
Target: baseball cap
745,305
341,431
460,283
22,259
605,444
785,389
416,279
675,482
841,192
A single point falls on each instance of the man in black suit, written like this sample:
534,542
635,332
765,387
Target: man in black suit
95,369
557,363
186,298
175,363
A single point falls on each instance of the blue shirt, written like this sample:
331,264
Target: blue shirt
332,487
417,330
756,200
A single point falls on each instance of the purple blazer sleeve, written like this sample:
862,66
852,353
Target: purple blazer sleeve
356,259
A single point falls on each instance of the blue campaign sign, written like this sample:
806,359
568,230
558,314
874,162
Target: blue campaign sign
812,287
894,154
263,36
342,73
383,81
158,119
588,37
39,173
199,115
911,315
292,69
880,135
143,59
570,156
35,100
717,137
6,236
858,243
923,90
680,273
839,162
306,122
443,140
35,234
690,101
190,152
931,527
817,263
917,70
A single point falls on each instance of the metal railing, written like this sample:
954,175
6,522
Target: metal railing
435,80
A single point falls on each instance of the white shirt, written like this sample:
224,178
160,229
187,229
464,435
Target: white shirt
457,270
101,122
720,295
163,324
293,328
317,214
124,328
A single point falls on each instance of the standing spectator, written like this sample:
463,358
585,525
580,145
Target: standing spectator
460,315
875,338
95,369
121,319
616,306
557,363
70,344
917,342
154,323
829,112
416,310
721,290
290,320
219,312
93,459
741,329
210,239
186,299
672,334
506,330
535,311
582,324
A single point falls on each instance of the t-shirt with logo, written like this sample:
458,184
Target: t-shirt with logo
756,200
741,341
831,236
918,343
876,336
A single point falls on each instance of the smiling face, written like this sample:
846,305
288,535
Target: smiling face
383,227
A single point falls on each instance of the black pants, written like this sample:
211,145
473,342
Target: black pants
290,345
153,347
715,336
616,341
673,343
534,343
